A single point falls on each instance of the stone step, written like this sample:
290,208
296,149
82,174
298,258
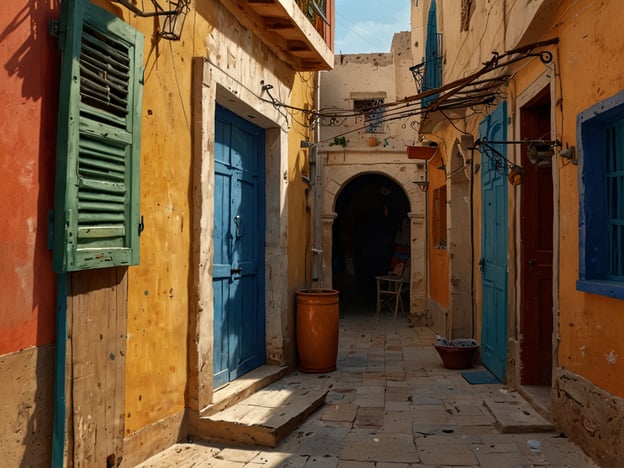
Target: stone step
243,387
513,414
266,417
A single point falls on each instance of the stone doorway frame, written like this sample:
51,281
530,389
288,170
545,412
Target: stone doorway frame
404,173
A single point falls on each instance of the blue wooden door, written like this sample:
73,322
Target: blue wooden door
238,265
493,262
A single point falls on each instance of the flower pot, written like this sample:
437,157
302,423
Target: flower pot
421,152
456,357
317,330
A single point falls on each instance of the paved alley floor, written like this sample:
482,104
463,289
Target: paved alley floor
391,404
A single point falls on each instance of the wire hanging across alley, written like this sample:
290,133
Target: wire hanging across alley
469,92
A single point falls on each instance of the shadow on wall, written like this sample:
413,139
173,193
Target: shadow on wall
34,63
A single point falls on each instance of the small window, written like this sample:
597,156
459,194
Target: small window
373,113
600,133
96,201
439,218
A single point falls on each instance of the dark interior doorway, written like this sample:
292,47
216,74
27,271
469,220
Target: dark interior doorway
370,232
536,212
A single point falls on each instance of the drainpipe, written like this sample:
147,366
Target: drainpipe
317,187
60,353
427,259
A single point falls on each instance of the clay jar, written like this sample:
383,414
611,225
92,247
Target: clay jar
317,329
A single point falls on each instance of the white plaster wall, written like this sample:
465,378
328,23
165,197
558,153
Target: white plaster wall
359,76
362,76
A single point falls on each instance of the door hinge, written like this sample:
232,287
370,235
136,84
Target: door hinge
50,229
482,264
53,28
141,225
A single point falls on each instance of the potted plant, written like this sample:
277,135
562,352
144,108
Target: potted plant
456,354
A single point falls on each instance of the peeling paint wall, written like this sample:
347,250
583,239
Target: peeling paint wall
27,406
591,416
28,56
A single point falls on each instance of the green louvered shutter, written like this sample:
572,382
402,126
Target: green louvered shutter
96,206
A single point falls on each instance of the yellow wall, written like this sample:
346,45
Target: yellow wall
299,202
158,298
592,69
300,195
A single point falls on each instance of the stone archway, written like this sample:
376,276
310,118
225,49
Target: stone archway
336,176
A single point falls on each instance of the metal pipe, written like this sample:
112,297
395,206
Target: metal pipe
60,357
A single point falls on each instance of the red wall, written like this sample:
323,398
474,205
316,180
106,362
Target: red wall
28,107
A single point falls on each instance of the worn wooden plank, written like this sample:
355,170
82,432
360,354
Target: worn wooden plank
118,364
99,303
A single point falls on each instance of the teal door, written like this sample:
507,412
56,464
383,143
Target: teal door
493,262
238,265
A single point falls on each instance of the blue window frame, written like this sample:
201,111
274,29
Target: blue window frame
600,134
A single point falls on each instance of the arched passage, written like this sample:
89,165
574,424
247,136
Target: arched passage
350,182
370,233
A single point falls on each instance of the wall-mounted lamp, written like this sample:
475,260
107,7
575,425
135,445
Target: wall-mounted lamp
306,144
516,175
540,154
423,185
569,153
442,167
170,19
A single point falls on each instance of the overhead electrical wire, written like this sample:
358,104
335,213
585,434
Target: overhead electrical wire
467,92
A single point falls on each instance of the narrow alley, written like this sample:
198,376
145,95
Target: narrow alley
391,404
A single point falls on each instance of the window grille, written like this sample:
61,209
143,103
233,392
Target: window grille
373,112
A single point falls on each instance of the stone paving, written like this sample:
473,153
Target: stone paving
391,404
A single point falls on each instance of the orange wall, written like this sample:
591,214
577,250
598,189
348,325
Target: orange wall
592,69
29,57
438,258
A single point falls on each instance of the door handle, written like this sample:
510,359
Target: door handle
237,223
532,263
235,270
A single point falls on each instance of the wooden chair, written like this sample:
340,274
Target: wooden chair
389,289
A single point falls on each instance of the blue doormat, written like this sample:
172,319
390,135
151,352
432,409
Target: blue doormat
480,377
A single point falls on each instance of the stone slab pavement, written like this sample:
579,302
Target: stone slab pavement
391,404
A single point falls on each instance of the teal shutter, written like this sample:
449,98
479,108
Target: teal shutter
96,206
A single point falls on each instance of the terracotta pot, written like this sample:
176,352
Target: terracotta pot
456,357
317,329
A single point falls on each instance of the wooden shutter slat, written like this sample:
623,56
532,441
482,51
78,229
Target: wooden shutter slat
101,217
102,186
101,206
99,232
96,203
92,36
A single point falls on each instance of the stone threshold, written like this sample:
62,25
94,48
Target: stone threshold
259,409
